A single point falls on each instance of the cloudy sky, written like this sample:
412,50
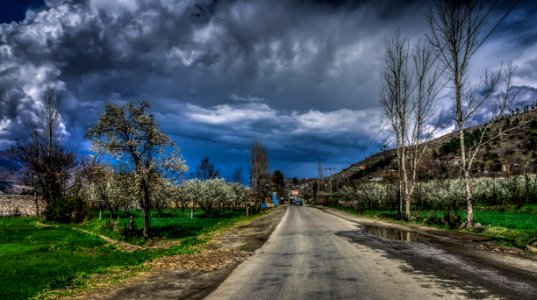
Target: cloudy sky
299,76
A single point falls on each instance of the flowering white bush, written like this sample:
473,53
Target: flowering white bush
110,189
214,194
447,194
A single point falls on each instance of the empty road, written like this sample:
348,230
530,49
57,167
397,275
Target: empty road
316,255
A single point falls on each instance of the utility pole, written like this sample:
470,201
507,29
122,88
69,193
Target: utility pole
330,176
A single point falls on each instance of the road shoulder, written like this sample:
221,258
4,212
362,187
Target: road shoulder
474,263
193,276
476,246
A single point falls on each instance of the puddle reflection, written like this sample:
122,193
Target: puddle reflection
394,234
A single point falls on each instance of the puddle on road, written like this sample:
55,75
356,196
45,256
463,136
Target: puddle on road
394,234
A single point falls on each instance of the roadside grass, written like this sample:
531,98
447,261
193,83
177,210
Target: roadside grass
171,224
511,226
36,259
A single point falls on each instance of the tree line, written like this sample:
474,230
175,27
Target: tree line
133,165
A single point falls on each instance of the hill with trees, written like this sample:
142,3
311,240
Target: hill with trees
512,152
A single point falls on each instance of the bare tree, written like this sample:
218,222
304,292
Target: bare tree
129,133
258,169
48,163
408,96
395,99
51,117
206,170
424,104
278,182
236,176
455,36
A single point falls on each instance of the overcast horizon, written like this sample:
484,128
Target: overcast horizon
302,77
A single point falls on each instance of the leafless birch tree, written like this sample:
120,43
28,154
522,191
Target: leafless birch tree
408,95
455,36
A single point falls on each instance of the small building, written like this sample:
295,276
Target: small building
294,193
376,179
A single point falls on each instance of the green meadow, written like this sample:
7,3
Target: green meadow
35,257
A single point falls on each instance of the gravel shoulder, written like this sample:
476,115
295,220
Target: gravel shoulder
193,276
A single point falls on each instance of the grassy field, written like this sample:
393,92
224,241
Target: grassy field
514,227
34,258
172,224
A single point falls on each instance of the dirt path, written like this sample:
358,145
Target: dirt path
193,276
123,246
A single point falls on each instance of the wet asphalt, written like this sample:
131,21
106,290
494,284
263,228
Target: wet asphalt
315,255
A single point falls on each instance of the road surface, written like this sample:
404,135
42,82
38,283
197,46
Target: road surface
316,255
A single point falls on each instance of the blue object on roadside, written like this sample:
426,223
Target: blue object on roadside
263,205
274,198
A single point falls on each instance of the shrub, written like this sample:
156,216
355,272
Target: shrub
66,210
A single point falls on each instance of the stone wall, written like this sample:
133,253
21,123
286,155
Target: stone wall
19,205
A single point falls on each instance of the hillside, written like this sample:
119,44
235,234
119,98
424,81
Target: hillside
514,152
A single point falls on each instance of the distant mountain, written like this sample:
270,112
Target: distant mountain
8,161
10,171
514,152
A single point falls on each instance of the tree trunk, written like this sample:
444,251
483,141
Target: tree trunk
112,214
126,209
464,161
469,206
146,208
36,203
407,207
405,191
146,212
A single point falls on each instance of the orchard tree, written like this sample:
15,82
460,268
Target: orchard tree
213,194
239,195
129,134
219,192
99,189
165,192
208,194
192,191
104,187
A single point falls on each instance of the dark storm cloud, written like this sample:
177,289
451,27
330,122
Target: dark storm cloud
299,75
16,10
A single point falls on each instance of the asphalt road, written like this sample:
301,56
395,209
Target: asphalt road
312,255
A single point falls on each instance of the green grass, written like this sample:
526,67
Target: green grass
507,219
35,258
173,224
511,220
510,228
